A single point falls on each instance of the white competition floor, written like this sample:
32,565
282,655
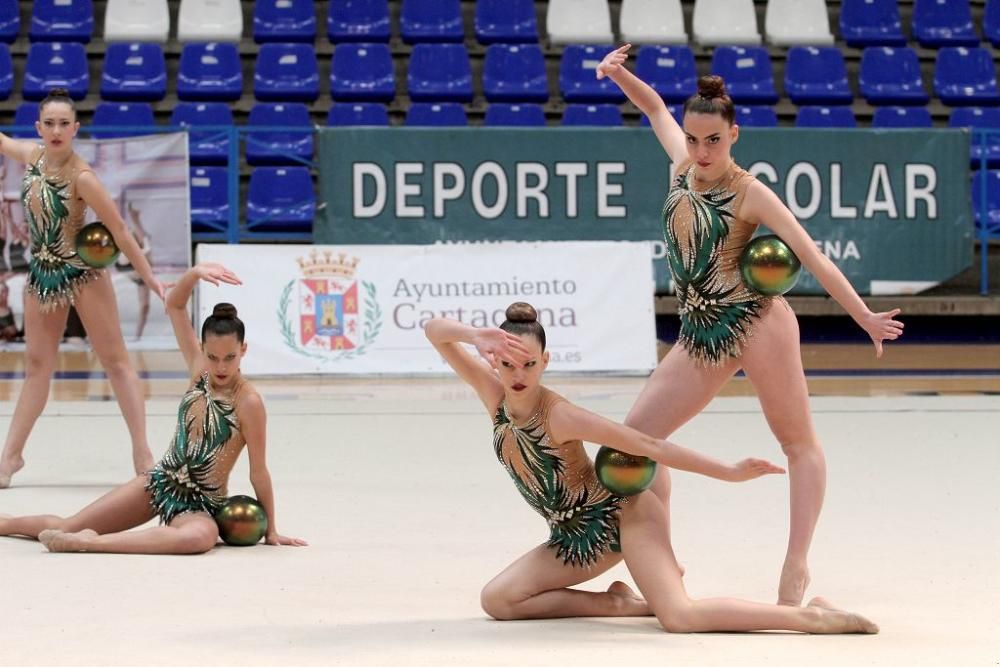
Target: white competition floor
408,514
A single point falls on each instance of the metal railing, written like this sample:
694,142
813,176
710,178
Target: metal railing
232,231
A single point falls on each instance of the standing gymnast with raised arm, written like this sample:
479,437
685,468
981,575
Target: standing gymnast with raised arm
711,211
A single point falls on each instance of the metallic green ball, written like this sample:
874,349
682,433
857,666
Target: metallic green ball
769,266
624,474
96,246
242,521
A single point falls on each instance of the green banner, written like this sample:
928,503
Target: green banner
890,207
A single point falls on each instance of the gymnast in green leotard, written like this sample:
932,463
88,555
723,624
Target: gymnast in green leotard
538,437
58,188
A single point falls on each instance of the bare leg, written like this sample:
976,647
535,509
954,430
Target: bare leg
773,363
651,561
43,333
187,534
99,313
143,310
537,586
676,391
120,509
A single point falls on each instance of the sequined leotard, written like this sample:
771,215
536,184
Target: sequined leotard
558,481
704,239
54,214
193,476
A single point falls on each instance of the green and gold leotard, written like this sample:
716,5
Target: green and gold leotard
194,474
705,236
54,214
558,481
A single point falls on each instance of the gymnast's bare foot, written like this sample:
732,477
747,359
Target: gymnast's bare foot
794,582
632,604
8,469
58,541
834,620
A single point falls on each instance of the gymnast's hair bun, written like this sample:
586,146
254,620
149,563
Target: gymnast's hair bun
711,87
224,311
521,312
58,92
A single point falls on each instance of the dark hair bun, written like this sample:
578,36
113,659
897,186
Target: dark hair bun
58,92
711,87
521,312
224,311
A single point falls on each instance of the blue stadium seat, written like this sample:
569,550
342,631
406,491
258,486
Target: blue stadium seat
902,117
134,72
748,74
362,72
284,21
756,116
821,116
817,75
55,65
358,113
437,21
440,73
577,79
990,217
209,199
991,22
676,110
891,75
26,114
515,115
871,23
10,20
506,21
121,113
61,21
598,115
286,73
428,114
210,72
208,146
981,117
966,77
939,23
669,70
358,21
281,199
515,73
275,147
6,72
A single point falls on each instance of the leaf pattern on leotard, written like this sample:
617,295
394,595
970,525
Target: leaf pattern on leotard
715,314
583,521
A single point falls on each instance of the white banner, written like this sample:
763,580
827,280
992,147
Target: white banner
361,309
148,178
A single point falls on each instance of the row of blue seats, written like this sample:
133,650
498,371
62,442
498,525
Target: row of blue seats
935,23
278,147
278,199
295,21
511,73
818,75
282,199
862,22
